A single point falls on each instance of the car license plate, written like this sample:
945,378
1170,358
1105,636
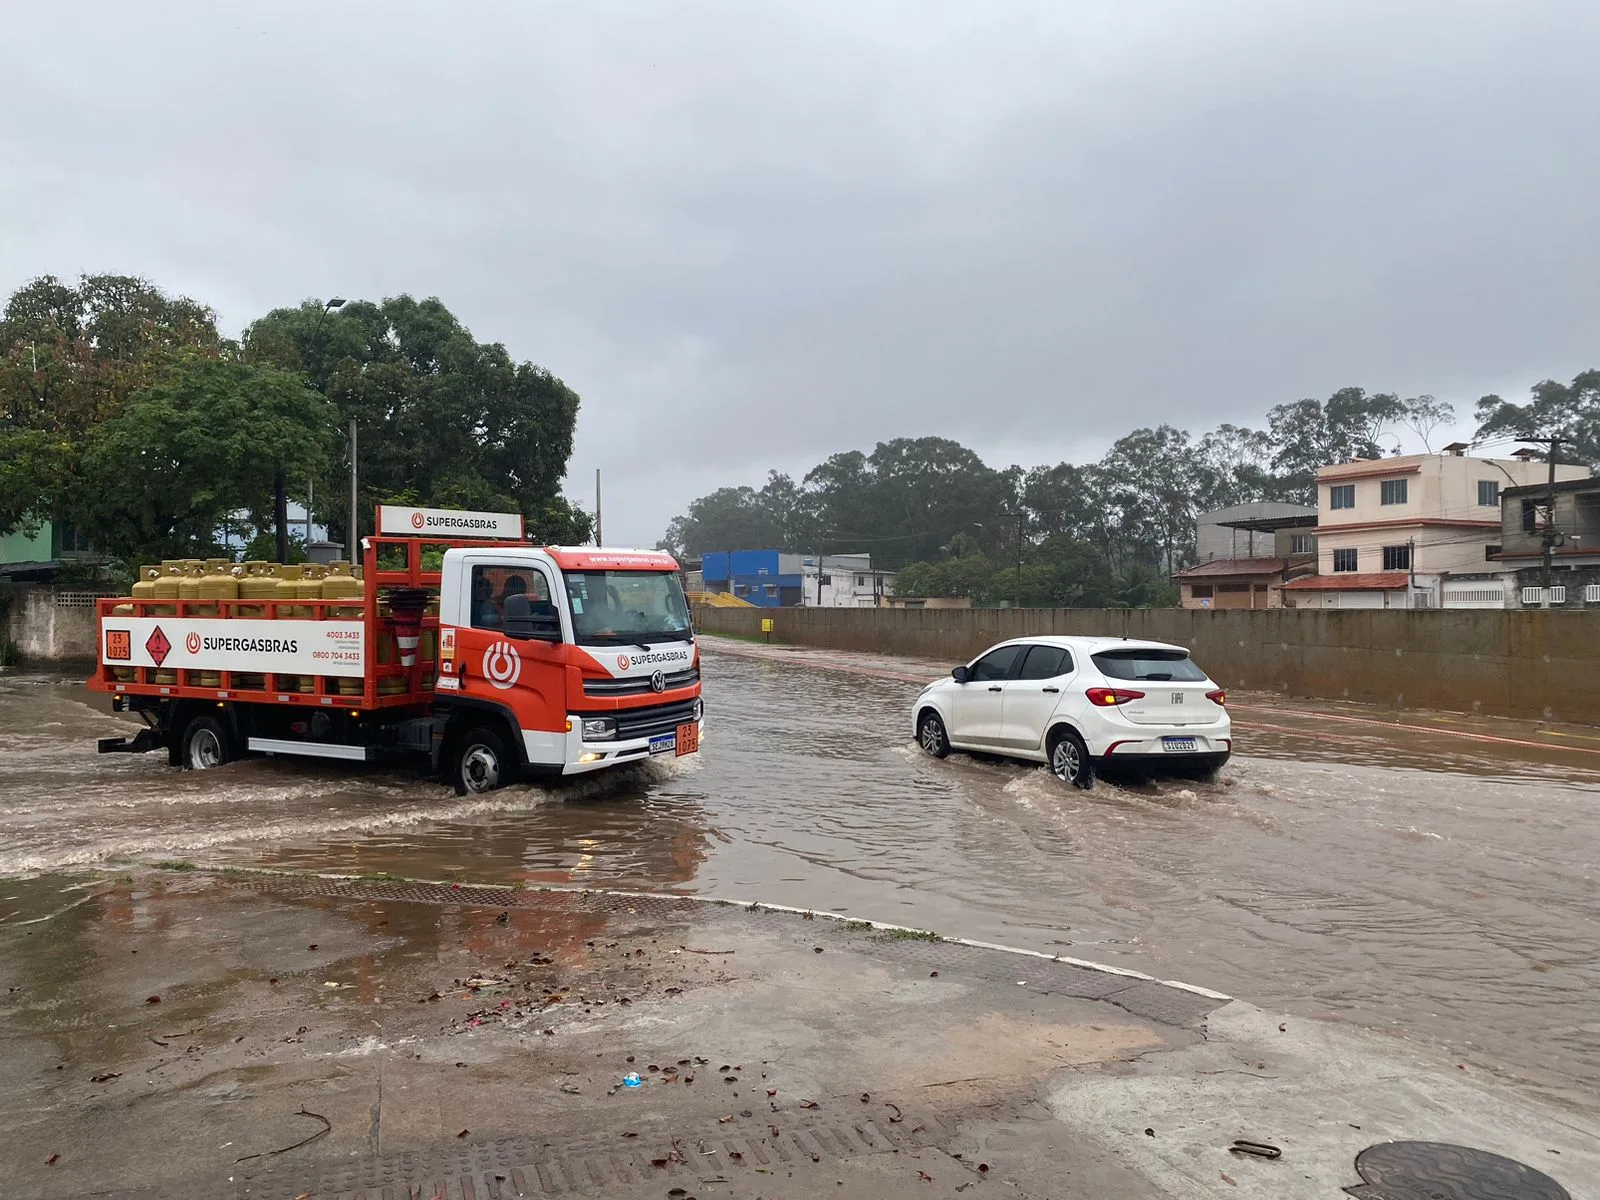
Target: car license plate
661,743
687,739
1178,743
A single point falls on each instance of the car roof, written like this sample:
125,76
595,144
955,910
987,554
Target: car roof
1090,645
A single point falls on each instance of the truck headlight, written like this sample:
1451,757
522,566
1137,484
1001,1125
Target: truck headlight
699,709
599,729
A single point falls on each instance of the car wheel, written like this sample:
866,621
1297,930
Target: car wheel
931,735
1069,759
481,762
205,744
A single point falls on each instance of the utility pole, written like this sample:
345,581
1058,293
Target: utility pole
1548,537
599,539
280,480
1411,564
311,492
1016,592
353,550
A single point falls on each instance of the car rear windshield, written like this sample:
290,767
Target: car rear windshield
1157,666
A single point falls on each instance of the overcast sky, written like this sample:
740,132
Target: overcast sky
751,234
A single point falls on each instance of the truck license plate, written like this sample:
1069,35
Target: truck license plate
661,743
687,739
1178,743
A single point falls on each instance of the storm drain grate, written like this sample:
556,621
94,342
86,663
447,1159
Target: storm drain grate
585,1165
1439,1171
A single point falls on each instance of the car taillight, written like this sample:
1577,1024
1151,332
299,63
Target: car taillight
1111,697
1217,697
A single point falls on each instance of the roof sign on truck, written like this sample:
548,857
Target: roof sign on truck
395,521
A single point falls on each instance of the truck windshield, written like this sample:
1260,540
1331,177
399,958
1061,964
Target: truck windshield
616,607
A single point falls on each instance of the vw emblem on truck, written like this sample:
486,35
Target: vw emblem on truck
502,665
658,682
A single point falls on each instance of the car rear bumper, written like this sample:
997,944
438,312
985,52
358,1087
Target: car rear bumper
1207,761
1153,744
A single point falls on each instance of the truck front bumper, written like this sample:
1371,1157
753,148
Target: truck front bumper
597,756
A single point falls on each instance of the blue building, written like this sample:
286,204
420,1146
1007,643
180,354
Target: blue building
768,578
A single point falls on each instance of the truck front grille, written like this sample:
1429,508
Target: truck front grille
639,685
648,722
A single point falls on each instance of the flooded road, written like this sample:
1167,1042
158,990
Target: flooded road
1436,879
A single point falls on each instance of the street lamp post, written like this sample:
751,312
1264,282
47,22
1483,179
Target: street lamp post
280,482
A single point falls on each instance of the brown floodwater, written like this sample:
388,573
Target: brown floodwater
1431,876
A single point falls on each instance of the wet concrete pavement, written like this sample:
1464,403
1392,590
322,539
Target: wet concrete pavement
178,1036
1431,877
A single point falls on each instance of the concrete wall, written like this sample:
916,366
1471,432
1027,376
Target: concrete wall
48,625
1540,665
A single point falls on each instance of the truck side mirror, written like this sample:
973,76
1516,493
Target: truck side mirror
526,621
959,674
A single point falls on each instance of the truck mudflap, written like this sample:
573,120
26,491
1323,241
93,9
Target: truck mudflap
141,742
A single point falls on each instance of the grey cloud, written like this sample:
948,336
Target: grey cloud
750,235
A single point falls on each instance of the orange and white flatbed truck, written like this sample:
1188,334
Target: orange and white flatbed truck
509,660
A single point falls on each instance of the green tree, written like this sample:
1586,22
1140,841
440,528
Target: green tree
1308,434
1571,410
455,422
70,356
164,473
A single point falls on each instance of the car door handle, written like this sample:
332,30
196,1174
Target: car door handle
995,688
1052,691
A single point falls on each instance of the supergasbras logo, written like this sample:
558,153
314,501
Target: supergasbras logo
502,665
247,645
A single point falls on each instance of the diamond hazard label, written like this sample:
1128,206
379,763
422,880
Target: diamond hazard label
157,646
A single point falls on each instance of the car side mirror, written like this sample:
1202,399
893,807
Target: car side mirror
960,674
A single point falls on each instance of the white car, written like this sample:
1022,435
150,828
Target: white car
1077,702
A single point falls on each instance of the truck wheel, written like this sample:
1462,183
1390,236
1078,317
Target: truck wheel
1069,759
205,744
481,762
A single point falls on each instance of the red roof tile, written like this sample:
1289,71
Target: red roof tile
1246,566
1352,582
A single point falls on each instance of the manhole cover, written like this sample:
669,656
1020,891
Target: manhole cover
1438,1171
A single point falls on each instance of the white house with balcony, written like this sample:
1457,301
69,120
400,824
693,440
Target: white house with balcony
1414,531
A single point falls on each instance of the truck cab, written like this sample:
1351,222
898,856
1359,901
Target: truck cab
586,654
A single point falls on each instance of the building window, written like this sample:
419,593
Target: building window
1490,553
825,579
1489,493
1344,560
1200,591
1302,543
1392,491
1397,558
861,581
1342,495
740,589
1535,516
772,589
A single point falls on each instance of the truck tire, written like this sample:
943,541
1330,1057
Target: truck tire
480,762
205,744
